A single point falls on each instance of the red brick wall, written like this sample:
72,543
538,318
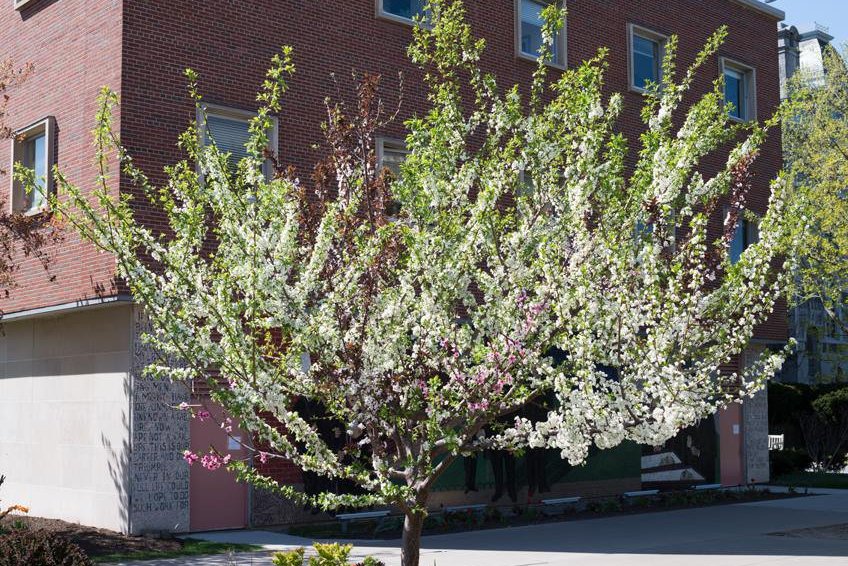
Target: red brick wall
75,46
141,49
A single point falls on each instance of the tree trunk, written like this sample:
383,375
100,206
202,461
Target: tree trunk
411,546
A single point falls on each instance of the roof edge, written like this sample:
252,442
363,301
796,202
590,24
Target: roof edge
66,307
763,8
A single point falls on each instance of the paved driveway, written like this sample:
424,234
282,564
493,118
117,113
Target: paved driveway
729,535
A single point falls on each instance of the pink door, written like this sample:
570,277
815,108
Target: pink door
216,500
730,429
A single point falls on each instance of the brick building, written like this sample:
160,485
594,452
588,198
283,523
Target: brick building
84,437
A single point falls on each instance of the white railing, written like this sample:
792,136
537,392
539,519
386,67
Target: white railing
775,441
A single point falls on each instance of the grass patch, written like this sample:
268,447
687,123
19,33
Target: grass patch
190,547
814,479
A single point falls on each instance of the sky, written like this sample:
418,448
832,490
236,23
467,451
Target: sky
829,13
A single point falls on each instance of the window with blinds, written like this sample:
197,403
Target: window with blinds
529,28
230,130
230,135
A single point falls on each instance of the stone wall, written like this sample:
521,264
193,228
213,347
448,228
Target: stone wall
158,475
755,428
755,423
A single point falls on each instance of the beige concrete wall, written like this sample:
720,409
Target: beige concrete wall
64,422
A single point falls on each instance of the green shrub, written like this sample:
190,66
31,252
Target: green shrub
40,548
833,405
289,557
333,554
790,461
371,561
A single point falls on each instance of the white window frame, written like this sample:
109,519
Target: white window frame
634,30
749,75
47,127
241,115
383,14
20,4
562,63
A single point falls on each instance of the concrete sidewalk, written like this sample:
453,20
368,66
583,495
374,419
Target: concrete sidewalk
728,535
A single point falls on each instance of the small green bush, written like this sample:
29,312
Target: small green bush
790,461
289,557
40,548
333,554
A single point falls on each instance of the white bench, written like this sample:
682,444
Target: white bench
347,518
643,493
557,506
707,487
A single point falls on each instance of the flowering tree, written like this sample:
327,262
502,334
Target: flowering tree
816,143
421,310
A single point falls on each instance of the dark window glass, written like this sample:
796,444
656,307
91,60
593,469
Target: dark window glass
646,61
734,92
404,8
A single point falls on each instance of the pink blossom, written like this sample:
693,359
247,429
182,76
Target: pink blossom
263,457
203,415
481,406
211,461
227,425
183,406
190,457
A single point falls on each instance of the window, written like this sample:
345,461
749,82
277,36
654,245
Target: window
526,183
529,24
230,128
390,155
33,148
401,10
19,4
647,50
747,233
739,90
